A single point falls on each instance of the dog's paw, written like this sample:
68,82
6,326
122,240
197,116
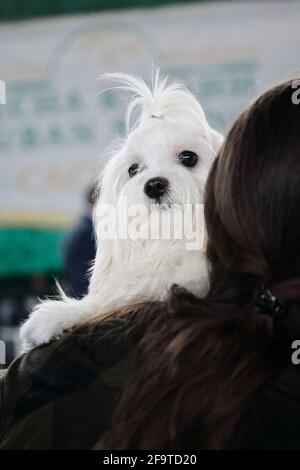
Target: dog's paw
47,322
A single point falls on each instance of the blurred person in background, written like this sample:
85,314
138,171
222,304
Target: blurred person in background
190,373
79,249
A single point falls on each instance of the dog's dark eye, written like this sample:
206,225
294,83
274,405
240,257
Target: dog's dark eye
188,158
133,170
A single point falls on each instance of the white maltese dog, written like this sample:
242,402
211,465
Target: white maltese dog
152,180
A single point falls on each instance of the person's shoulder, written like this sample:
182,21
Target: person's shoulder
90,347
95,361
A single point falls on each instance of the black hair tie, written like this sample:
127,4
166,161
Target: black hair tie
268,304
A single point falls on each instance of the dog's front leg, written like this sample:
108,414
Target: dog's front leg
51,318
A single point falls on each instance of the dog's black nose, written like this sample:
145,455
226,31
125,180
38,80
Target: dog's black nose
156,187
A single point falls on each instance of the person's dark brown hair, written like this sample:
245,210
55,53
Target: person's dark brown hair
202,361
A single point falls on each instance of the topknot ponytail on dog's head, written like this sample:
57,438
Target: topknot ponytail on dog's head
162,100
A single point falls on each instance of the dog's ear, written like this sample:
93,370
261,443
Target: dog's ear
217,140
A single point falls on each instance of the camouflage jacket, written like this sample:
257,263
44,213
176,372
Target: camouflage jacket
61,395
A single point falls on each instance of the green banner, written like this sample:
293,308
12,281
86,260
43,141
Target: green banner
28,251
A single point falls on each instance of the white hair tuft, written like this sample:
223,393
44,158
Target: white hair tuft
162,100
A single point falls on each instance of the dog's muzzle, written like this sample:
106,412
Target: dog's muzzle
156,188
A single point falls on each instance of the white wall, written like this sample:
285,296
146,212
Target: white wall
54,128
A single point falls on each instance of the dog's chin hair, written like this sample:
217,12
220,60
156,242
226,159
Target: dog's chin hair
163,204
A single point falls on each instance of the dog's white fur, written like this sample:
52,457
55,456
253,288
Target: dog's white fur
170,120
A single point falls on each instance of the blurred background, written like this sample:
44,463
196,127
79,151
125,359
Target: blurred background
54,127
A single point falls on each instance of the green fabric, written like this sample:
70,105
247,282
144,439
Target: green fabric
62,395
26,251
18,9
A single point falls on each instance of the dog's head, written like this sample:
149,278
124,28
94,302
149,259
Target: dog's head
169,149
